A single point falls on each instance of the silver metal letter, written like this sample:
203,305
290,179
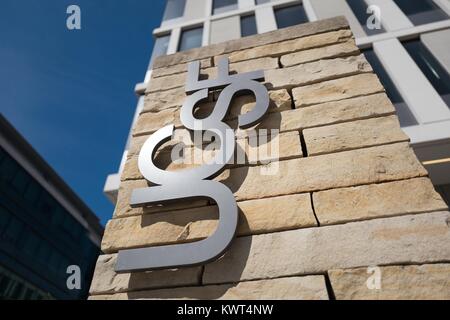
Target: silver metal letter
189,184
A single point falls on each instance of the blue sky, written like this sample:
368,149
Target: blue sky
70,93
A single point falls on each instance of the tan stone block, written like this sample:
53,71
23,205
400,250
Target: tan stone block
334,90
343,169
280,100
179,68
377,200
353,135
254,65
419,238
106,280
149,122
179,80
280,48
326,113
257,149
293,288
345,110
176,80
327,52
153,121
317,71
123,207
414,282
162,100
256,216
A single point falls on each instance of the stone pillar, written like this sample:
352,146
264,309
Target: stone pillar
350,203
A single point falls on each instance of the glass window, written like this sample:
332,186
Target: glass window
220,6
14,230
262,1
32,192
31,243
431,68
20,181
290,16
46,205
159,48
404,113
44,251
8,168
174,9
4,219
248,25
191,38
421,11
359,8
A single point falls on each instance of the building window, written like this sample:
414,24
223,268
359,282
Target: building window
431,68
220,6
359,8
421,11
262,1
191,38
159,48
248,25
290,16
405,115
174,9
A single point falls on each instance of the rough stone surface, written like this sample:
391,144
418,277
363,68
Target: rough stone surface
162,100
377,200
293,288
314,72
420,238
248,151
179,68
175,80
333,90
179,80
345,110
299,31
277,49
334,51
415,282
343,169
256,216
107,281
352,135
149,122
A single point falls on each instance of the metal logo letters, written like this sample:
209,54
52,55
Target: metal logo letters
193,183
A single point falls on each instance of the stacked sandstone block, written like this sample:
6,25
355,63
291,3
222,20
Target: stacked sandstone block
349,194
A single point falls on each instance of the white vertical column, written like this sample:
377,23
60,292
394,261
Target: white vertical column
309,10
423,100
207,24
392,17
206,33
438,43
265,19
174,40
244,4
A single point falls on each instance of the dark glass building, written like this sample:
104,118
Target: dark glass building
44,227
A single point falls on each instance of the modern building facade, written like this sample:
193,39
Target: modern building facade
44,226
408,51
344,209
